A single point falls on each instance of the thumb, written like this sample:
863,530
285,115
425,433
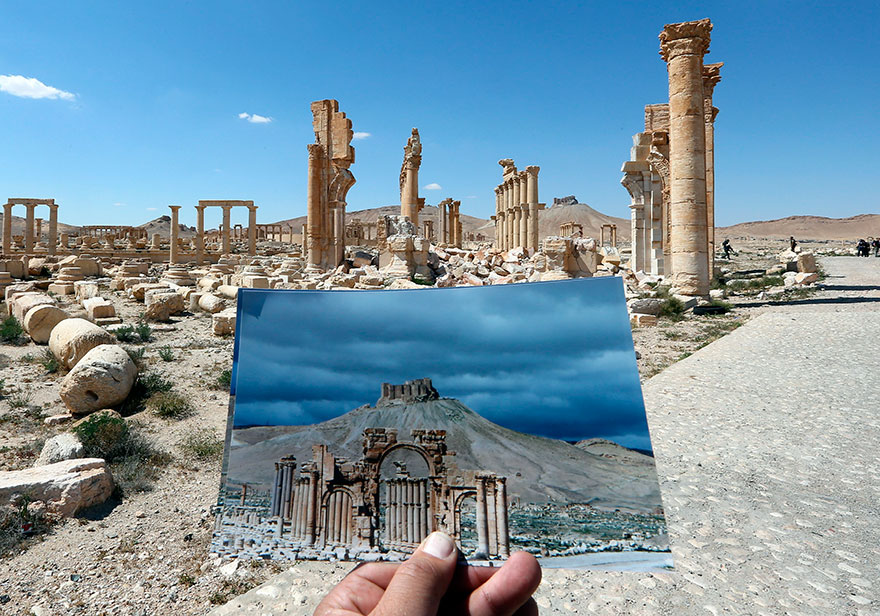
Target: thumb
420,583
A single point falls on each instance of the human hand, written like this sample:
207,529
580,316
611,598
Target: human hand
430,584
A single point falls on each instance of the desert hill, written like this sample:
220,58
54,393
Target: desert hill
808,228
583,214
162,226
430,212
18,223
538,469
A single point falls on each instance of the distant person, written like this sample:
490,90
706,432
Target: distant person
876,246
862,248
727,248
793,243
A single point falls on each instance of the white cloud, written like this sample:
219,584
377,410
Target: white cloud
31,87
152,209
433,186
361,135
254,118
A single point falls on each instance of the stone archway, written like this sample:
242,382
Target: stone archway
337,510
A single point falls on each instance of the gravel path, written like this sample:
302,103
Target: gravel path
766,445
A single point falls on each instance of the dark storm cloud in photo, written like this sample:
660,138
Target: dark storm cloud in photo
554,359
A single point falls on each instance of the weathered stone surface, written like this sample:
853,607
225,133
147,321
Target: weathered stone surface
65,487
805,277
806,262
71,339
20,304
161,304
17,288
41,320
645,305
157,311
98,308
223,323
102,379
228,291
64,446
139,290
211,303
642,320
84,289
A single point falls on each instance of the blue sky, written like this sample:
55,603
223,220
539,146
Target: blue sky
304,357
145,111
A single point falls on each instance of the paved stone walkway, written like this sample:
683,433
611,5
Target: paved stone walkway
768,449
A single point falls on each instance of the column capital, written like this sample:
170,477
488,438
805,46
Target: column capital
253,208
711,77
685,38
226,208
174,208
533,169
53,206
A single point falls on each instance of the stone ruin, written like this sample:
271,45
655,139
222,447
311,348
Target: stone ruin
417,390
670,174
516,208
410,202
334,508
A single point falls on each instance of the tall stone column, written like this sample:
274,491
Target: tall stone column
501,516
497,212
312,505
482,518
175,231
441,215
252,230
7,228
409,180
711,77
532,200
225,237
200,234
682,46
457,227
29,230
313,199
517,210
38,234
53,227
511,216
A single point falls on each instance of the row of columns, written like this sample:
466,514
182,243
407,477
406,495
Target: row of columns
408,511
29,236
492,533
449,214
294,500
516,208
338,526
225,228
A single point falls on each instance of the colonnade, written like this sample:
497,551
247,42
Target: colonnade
338,518
29,235
449,215
225,228
408,511
612,235
492,533
571,229
294,500
517,207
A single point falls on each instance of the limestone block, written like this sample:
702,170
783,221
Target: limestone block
193,301
806,262
138,291
99,308
642,320
71,339
84,289
211,303
174,300
645,305
14,267
61,288
36,265
806,277
64,446
228,291
223,323
255,282
101,379
16,289
776,270
789,278
554,275
20,304
130,283
403,283
89,266
66,487
41,320
717,294
688,301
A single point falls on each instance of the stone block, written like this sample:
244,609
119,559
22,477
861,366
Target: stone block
14,267
687,300
223,323
138,291
255,282
61,288
642,320
41,320
22,303
101,379
806,262
17,288
99,308
64,446
806,277
65,487
84,289
211,303
71,339
645,305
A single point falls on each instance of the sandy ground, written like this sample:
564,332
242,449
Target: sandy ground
147,554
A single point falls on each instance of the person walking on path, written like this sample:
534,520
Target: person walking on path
727,248
793,243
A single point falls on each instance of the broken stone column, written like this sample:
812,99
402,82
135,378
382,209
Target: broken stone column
225,237
7,228
682,46
409,178
29,229
711,77
175,230
252,230
200,234
53,228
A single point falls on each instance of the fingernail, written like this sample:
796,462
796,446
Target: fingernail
438,544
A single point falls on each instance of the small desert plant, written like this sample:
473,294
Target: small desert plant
49,361
223,380
170,405
726,306
126,333
155,383
166,353
143,331
146,385
102,435
19,399
11,331
2,385
137,356
203,445
18,523
672,308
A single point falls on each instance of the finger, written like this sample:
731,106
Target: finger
529,608
420,582
358,592
468,578
508,590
